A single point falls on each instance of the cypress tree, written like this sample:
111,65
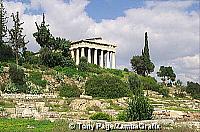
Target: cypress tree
16,38
148,65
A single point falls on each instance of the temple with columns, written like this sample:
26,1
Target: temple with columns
96,50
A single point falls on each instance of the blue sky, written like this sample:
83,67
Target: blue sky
109,9
168,23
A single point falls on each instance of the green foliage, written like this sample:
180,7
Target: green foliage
6,53
150,83
193,89
106,86
126,70
36,78
16,38
1,68
139,108
134,83
166,73
69,90
121,116
83,64
142,65
3,22
101,116
16,74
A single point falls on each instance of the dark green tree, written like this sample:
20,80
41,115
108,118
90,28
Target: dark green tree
137,63
148,65
43,36
166,73
142,65
3,22
17,40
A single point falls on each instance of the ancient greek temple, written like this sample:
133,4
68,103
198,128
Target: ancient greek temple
96,50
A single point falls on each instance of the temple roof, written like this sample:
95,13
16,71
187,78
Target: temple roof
95,41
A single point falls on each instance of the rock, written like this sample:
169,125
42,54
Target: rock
85,97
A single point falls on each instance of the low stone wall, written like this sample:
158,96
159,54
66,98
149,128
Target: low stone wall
27,96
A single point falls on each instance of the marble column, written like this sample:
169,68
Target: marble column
113,60
108,59
77,56
89,55
101,61
72,54
82,52
95,56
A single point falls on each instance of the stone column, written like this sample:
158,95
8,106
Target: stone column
82,52
72,54
108,59
77,56
113,60
89,55
95,56
101,61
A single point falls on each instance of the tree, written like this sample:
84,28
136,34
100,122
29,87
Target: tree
16,38
142,65
138,64
149,66
166,73
3,21
43,36
194,89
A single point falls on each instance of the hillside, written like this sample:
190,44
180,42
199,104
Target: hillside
45,101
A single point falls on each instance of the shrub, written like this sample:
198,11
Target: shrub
83,65
106,86
6,53
121,116
115,72
101,116
126,70
67,90
139,108
36,78
134,83
1,68
16,74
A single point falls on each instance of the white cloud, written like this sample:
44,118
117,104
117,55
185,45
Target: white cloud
173,32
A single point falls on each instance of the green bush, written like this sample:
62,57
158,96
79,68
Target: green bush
83,65
116,72
67,90
6,53
16,74
139,108
36,78
134,84
101,116
106,86
1,68
150,83
126,70
121,116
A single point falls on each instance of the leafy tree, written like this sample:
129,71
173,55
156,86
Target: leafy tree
3,22
139,108
166,73
137,63
43,36
142,65
193,89
54,51
16,38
